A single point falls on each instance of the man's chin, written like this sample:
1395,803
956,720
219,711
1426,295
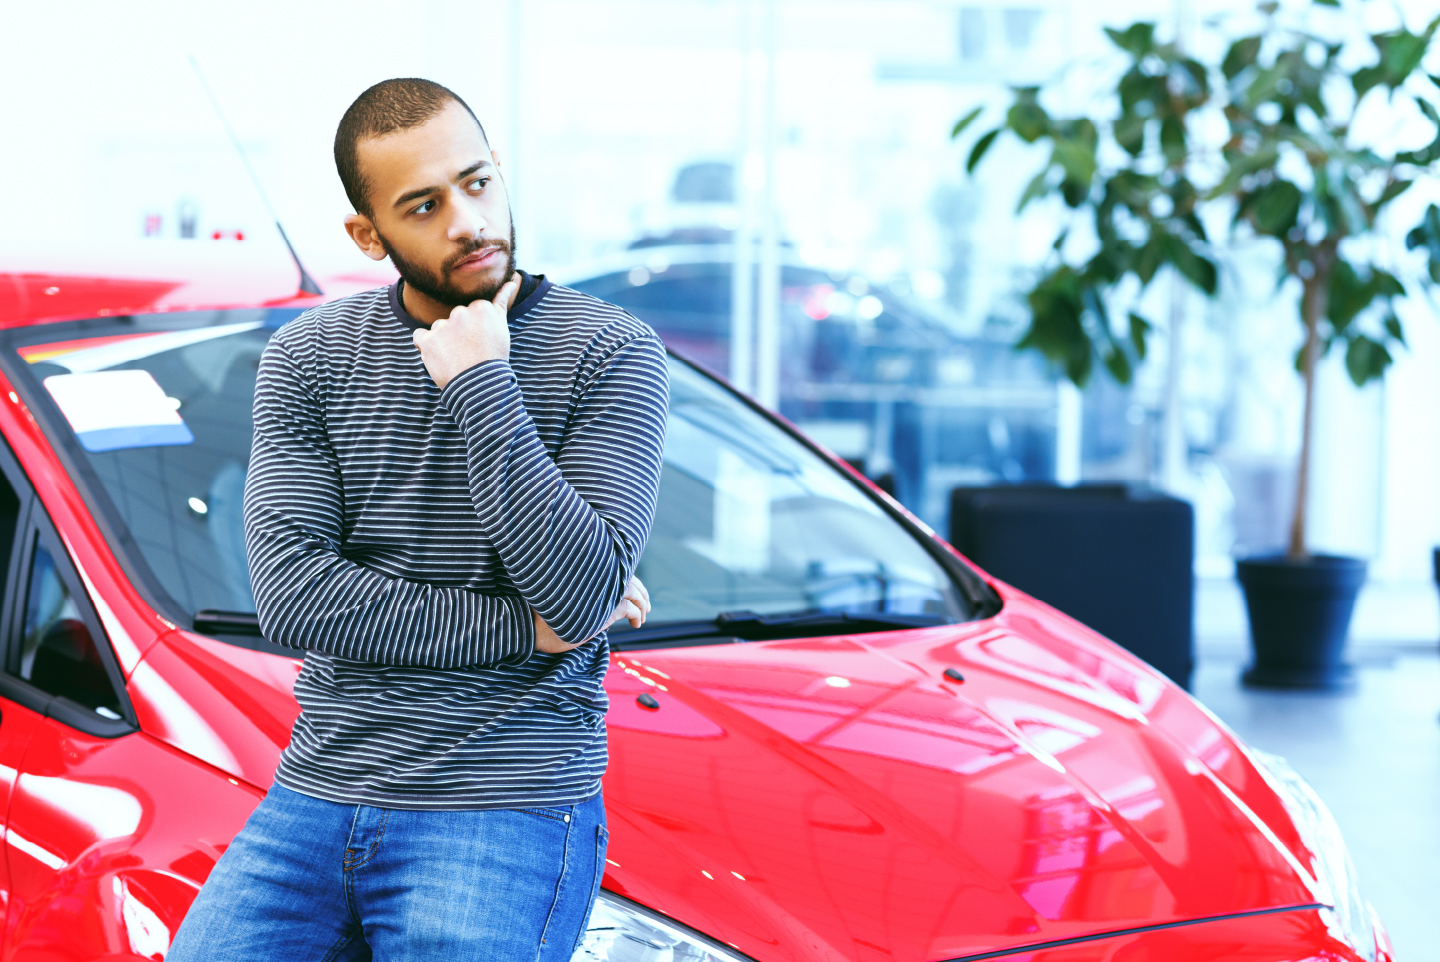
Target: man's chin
478,287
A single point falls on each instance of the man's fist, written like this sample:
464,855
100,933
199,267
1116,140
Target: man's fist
473,333
634,606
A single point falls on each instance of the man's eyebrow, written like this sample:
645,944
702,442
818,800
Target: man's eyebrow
472,168
419,192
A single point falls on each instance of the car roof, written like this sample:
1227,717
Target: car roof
39,285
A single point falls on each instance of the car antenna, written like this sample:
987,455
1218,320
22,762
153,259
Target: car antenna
307,283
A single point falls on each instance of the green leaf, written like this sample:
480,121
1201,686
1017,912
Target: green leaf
1328,3
1172,138
1324,348
1426,235
1400,54
1026,117
1118,364
1274,208
1367,78
1386,284
1138,87
1056,329
1352,291
1392,190
1366,360
1074,192
1192,221
1242,166
1198,75
1393,328
1195,268
964,122
978,151
1138,38
1039,185
1077,161
1242,54
1139,327
1129,132
1150,256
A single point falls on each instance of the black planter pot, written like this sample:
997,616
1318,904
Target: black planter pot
1300,619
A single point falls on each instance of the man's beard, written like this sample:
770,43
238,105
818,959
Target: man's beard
437,286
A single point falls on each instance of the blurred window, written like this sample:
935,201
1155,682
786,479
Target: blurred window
751,519
58,652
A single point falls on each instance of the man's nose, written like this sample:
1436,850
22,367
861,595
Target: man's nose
466,220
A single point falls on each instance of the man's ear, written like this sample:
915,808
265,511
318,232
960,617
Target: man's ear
363,233
495,156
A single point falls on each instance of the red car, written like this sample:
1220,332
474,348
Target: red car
835,739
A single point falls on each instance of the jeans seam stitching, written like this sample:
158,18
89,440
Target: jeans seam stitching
543,814
375,845
354,821
559,888
601,838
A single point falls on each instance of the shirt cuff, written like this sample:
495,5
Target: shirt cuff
484,396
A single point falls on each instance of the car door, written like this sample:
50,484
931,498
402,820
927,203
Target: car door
61,684
110,832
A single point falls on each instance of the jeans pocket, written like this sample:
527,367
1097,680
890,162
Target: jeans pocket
602,843
554,814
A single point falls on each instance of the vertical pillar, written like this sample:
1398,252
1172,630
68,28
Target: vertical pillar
1068,422
767,314
514,154
747,170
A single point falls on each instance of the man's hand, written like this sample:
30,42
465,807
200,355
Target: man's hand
473,333
634,604
633,607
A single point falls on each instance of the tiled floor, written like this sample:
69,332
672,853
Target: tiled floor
1373,755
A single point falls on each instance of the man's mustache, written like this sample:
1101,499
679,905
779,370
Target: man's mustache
471,247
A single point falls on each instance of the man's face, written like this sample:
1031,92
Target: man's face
440,208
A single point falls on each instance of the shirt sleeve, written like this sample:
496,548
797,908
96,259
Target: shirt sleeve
569,529
307,595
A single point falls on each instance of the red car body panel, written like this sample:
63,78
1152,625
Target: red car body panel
833,798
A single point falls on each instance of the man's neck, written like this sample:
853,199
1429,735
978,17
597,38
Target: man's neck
422,307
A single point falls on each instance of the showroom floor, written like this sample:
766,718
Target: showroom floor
1373,755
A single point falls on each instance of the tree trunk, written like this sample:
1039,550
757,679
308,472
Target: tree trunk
1314,303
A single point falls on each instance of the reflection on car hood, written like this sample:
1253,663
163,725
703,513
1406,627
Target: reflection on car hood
839,798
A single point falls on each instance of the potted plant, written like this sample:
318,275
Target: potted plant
1288,170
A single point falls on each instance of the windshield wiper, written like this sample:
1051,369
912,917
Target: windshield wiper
734,626
211,621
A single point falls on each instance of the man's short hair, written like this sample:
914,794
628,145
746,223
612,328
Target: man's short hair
391,105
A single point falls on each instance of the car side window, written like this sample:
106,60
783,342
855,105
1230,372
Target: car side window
58,653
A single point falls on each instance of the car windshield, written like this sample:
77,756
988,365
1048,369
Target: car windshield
152,412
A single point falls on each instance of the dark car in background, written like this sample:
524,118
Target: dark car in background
869,373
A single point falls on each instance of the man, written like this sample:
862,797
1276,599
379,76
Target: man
451,483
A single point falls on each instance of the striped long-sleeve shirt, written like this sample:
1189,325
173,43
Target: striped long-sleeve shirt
401,534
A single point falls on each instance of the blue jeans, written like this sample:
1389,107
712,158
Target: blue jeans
308,879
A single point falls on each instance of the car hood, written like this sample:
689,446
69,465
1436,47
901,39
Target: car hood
841,798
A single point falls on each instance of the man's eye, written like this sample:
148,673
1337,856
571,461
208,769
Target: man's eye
424,208
478,183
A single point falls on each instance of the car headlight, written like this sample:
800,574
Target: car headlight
621,931
1331,865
